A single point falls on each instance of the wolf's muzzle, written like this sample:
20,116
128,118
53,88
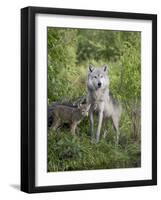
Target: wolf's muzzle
99,84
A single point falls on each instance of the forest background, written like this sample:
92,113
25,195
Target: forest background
70,51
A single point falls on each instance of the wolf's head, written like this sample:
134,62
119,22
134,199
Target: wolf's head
97,78
84,108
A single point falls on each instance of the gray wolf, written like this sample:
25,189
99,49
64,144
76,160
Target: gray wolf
68,114
101,101
72,103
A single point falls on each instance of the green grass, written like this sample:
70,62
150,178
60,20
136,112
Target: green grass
67,152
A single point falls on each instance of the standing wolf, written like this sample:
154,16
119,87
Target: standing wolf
101,100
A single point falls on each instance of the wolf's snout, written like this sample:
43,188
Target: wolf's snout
99,84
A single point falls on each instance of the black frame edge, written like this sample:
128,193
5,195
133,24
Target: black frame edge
154,99
27,100
92,13
93,186
24,100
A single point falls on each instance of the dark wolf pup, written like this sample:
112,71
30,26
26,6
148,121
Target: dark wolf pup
71,115
101,100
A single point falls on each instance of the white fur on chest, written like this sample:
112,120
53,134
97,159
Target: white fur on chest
99,100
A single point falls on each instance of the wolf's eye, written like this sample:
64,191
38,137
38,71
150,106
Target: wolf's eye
95,76
101,76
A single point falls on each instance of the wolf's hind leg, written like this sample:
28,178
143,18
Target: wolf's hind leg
56,124
116,120
104,127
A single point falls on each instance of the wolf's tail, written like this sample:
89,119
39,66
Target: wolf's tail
50,116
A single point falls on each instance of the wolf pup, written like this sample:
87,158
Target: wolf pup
71,115
101,101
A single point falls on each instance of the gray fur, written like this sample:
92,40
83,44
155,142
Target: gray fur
101,101
71,115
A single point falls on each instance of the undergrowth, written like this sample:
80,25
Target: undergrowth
68,152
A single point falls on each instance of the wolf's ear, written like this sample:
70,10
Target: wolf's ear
91,68
79,105
88,107
105,68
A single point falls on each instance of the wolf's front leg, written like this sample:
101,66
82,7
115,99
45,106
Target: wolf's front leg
100,119
73,128
99,126
91,124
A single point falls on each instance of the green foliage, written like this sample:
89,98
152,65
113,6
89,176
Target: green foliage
66,152
61,63
69,53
